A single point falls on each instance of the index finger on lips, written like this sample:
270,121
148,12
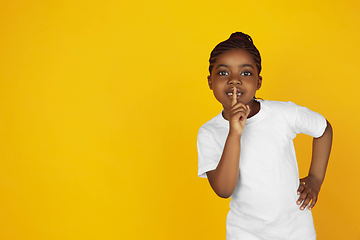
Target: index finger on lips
234,97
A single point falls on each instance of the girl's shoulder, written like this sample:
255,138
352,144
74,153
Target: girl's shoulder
217,123
279,111
278,106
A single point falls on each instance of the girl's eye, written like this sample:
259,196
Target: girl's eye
246,74
223,73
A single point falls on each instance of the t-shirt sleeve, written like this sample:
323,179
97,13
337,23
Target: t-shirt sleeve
208,155
309,122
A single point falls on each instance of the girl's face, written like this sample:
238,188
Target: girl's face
235,68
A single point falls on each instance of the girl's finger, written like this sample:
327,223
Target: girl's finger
239,108
302,197
313,202
301,188
305,203
234,97
247,110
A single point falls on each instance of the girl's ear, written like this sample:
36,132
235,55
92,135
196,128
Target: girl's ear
259,83
209,81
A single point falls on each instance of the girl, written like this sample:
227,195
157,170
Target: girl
247,151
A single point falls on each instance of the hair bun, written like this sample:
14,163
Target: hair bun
236,34
241,36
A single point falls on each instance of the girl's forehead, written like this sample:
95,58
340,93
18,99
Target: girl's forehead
235,55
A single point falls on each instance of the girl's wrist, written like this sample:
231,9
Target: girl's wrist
318,180
234,133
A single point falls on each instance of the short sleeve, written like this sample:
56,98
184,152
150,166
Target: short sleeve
309,122
208,155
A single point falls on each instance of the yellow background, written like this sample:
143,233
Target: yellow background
101,101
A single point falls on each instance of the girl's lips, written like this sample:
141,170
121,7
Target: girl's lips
238,94
230,95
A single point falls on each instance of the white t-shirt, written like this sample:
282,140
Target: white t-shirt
263,205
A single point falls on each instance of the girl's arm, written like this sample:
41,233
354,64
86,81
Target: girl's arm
310,186
224,178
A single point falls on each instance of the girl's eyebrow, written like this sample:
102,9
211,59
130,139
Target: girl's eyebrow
247,65
222,65
242,65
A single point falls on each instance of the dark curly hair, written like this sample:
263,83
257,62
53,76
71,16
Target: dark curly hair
236,40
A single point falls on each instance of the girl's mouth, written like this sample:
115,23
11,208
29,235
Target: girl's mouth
238,95
230,94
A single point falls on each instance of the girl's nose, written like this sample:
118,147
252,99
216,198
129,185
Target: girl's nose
235,81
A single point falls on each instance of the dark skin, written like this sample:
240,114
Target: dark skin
310,186
234,81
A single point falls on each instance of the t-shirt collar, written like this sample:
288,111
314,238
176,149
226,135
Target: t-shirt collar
249,121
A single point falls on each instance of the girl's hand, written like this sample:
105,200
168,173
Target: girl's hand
308,190
237,114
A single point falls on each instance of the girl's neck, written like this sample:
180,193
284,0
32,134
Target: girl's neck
254,108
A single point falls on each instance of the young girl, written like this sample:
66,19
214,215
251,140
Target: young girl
247,151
